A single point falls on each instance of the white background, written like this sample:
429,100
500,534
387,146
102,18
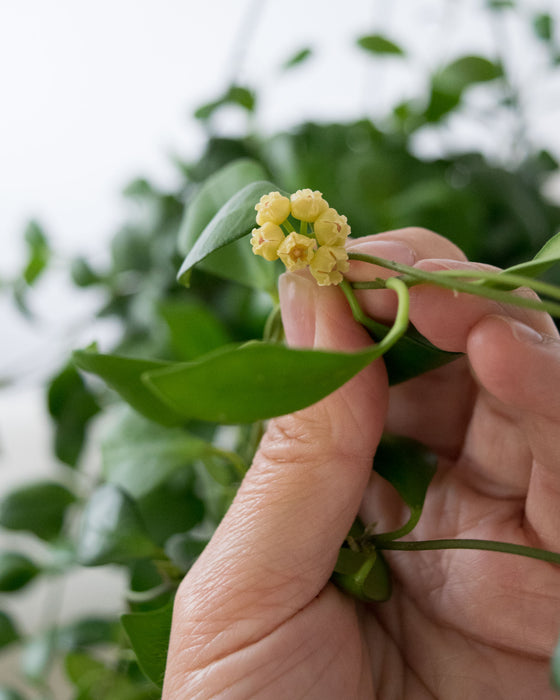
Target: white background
93,94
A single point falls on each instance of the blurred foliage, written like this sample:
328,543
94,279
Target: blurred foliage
163,483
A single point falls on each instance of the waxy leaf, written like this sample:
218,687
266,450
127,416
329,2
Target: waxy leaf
123,375
364,576
16,571
38,252
8,630
139,455
547,256
256,381
38,508
377,44
297,59
213,194
112,530
233,221
149,636
193,328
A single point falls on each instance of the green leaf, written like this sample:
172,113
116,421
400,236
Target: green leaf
8,630
138,455
16,571
543,25
380,45
38,508
233,221
235,95
184,549
83,671
193,328
547,256
500,4
409,467
82,273
255,381
87,632
71,405
213,194
37,657
364,576
149,636
38,252
112,530
449,84
298,58
123,375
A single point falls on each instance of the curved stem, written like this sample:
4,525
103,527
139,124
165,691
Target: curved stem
441,278
396,534
488,545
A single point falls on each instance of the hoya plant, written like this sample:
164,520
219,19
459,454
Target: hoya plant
180,402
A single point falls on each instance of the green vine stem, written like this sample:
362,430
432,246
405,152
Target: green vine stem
400,324
488,545
401,531
412,276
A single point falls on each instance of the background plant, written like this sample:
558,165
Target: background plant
161,485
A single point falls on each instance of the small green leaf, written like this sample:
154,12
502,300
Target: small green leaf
149,636
82,274
87,632
38,508
364,576
72,406
139,455
500,4
234,220
8,630
235,95
409,467
16,571
123,375
380,45
193,328
213,194
297,59
543,24
83,671
112,530
547,256
38,252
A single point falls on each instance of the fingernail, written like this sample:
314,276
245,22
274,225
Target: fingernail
524,333
298,302
390,250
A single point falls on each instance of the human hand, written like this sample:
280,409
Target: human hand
256,616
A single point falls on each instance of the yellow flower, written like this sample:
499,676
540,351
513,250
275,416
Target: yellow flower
272,207
296,251
266,239
328,264
331,228
308,205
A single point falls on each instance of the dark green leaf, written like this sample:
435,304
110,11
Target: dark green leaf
7,693
543,24
449,84
82,274
87,632
233,221
213,194
112,530
364,576
184,549
16,571
84,671
138,455
149,636
123,375
38,254
71,405
8,630
380,45
408,466
298,58
193,328
37,508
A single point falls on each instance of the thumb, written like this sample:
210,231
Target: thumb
276,547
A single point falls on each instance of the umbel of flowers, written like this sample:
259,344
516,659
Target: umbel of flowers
320,243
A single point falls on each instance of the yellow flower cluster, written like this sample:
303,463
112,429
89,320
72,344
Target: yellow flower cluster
320,242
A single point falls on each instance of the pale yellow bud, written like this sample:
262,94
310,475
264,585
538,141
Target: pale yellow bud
272,207
307,205
331,228
266,239
328,264
296,251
